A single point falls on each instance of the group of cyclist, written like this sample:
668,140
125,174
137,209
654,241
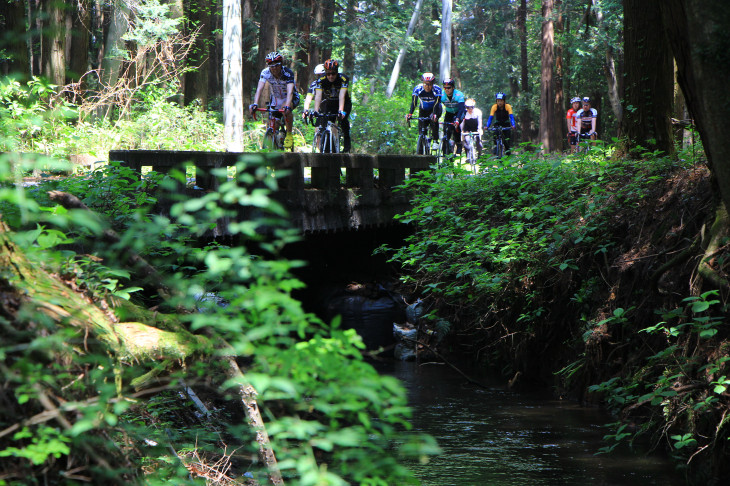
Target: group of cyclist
460,115
330,94
581,120
328,91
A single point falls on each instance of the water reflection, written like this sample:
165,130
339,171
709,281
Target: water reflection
497,437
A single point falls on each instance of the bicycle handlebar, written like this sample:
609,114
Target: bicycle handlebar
314,114
270,110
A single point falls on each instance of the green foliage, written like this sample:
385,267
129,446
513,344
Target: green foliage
379,127
331,417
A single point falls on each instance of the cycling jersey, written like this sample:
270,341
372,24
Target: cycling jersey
313,86
572,120
472,121
426,100
331,89
585,118
455,104
279,86
502,118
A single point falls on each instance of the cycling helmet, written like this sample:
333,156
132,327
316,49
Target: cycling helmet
470,103
319,70
448,82
586,99
575,99
274,57
331,65
427,77
500,96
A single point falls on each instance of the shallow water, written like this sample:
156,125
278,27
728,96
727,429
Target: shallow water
497,437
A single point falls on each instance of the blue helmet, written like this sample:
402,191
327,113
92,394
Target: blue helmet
500,96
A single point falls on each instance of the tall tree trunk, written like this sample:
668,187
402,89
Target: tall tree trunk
698,33
268,30
550,134
305,66
232,66
649,79
559,99
402,53
525,119
445,63
77,42
348,59
329,17
12,23
54,42
250,71
196,80
315,50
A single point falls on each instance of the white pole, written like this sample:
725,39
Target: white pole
445,67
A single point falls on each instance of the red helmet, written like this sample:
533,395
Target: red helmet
274,57
331,65
427,77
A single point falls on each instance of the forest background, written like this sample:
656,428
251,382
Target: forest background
88,77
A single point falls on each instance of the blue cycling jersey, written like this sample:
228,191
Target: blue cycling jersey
426,99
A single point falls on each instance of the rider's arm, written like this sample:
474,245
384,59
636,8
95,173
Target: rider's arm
289,94
317,98
511,115
593,122
343,97
461,112
308,101
491,115
414,103
260,87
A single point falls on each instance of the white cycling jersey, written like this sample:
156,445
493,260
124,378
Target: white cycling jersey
279,85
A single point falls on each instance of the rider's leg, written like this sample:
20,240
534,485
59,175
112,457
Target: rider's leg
345,128
507,139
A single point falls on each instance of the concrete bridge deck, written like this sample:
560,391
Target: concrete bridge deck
342,191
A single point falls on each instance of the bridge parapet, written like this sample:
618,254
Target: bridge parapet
338,192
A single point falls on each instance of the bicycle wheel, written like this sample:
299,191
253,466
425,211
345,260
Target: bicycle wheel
500,148
335,139
326,146
421,145
317,142
268,143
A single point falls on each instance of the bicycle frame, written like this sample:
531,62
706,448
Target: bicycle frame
275,124
423,144
470,149
499,140
584,143
327,136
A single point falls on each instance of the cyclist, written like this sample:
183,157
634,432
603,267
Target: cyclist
572,121
318,73
283,93
472,122
453,102
427,96
501,116
587,117
332,96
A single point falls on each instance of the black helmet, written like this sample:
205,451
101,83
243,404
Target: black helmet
448,82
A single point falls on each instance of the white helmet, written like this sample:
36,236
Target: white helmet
319,70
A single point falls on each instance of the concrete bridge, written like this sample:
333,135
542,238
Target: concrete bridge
323,192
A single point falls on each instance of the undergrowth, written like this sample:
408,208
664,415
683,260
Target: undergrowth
580,272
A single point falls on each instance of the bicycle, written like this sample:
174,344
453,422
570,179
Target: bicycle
499,140
327,136
584,143
424,142
276,130
446,147
471,149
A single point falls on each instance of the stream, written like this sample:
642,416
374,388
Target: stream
492,436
